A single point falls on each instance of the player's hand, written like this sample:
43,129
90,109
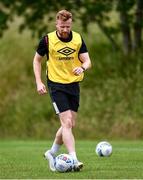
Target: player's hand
41,88
77,71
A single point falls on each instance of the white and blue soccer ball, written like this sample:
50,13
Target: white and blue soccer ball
64,163
103,149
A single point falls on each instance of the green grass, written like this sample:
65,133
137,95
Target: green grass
23,160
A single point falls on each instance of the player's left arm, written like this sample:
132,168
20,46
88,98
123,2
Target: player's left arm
86,64
85,59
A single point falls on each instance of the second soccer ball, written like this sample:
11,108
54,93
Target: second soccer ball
103,149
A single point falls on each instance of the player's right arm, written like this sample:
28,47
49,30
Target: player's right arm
41,88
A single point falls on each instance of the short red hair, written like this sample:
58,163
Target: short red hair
63,15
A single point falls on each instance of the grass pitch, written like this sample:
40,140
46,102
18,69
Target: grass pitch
24,160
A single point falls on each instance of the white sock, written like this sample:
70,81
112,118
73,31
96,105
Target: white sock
73,154
55,148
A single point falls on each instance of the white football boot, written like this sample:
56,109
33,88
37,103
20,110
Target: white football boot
51,158
77,166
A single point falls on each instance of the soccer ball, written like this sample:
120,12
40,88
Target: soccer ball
64,163
103,149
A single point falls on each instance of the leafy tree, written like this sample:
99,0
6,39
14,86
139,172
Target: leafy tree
131,19
37,14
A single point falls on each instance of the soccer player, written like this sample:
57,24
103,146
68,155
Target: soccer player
67,60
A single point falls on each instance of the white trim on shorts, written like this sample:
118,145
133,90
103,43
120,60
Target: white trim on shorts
56,108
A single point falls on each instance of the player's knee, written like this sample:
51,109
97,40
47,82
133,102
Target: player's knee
67,123
67,120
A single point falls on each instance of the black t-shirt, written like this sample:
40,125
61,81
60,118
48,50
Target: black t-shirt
43,48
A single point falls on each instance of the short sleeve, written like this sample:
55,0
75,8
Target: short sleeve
83,48
42,48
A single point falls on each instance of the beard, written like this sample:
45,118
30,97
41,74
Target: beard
64,35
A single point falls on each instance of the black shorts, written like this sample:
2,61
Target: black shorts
64,96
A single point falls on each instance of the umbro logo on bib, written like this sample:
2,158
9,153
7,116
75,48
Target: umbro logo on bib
66,51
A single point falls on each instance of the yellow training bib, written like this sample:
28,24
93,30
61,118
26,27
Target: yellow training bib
63,58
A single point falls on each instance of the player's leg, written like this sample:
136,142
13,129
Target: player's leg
67,135
67,119
51,153
57,142
58,97
78,164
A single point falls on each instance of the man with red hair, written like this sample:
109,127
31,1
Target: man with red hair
67,59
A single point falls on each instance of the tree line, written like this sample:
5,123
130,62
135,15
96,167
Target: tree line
37,14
